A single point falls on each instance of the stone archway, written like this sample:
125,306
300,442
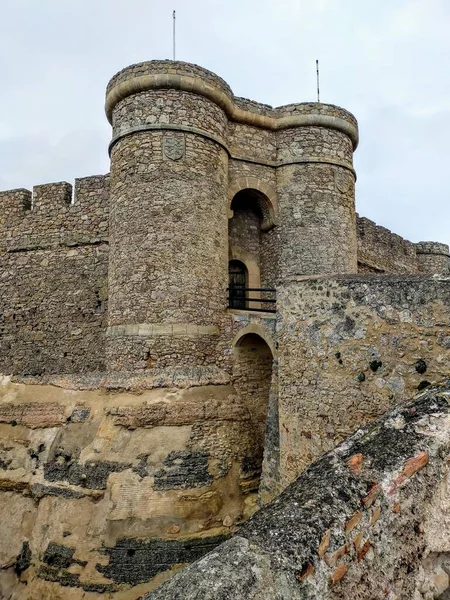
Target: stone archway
264,195
252,377
253,237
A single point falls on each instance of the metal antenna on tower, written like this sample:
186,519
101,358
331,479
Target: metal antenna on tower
318,87
174,32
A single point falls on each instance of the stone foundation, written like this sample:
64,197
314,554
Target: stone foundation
104,491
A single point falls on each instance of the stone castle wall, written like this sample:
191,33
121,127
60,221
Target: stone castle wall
351,348
297,159
381,251
54,288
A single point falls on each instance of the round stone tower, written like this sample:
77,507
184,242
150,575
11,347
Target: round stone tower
433,258
168,222
316,189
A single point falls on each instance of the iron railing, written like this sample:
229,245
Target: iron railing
262,299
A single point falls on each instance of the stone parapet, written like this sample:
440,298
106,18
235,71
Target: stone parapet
156,75
166,329
55,214
432,248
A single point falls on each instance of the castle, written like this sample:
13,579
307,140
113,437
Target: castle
180,338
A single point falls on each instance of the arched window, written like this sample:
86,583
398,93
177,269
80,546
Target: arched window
238,282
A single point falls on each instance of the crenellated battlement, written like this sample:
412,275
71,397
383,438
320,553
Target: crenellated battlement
50,197
55,214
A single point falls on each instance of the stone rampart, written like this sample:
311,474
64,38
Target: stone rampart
381,251
54,265
367,520
351,348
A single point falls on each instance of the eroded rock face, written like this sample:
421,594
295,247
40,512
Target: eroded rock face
367,520
104,494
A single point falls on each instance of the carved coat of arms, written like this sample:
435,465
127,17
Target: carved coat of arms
174,146
344,181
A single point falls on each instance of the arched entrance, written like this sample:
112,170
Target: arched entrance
252,376
253,239
237,284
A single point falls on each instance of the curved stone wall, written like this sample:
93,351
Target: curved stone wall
168,230
316,194
433,257
191,78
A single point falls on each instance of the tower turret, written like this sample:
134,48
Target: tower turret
433,258
168,225
316,191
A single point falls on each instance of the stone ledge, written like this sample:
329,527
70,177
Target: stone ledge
148,379
161,329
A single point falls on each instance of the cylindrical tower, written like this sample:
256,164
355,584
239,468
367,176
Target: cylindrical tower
433,258
168,221
316,189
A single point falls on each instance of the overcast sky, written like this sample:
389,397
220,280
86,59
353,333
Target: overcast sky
387,61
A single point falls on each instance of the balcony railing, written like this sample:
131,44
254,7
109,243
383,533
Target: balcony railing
255,299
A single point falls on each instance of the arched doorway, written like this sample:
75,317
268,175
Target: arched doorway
253,238
252,376
237,284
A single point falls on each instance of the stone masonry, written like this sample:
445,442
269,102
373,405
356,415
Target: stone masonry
144,417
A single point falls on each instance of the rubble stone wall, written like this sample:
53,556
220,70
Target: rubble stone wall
381,251
168,226
351,348
54,288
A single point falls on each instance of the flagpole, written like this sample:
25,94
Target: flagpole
174,33
317,72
